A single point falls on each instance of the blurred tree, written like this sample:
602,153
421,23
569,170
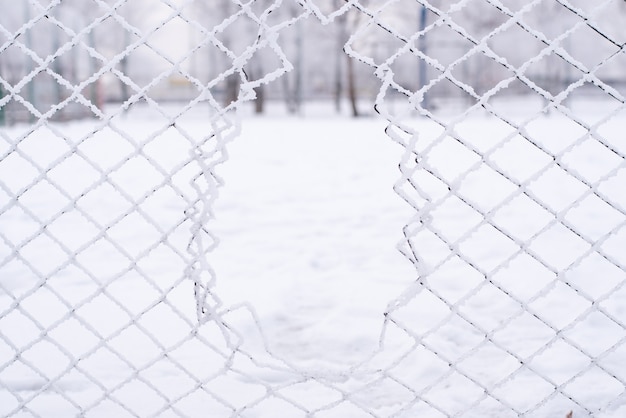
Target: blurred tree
2,105
347,23
328,72
232,82
292,84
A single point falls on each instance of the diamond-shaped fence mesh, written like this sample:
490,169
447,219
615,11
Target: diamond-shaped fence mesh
510,116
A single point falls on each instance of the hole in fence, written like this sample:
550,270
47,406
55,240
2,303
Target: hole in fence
519,184
308,225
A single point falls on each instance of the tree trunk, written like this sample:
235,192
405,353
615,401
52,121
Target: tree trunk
288,95
293,92
124,69
259,103
232,89
352,95
351,82
94,93
299,67
254,70
342,38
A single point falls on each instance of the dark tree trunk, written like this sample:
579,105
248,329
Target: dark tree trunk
352,95
259,103
342,38
346,25
232,89
253,72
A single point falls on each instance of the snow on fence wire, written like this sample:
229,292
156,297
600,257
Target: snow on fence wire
108,297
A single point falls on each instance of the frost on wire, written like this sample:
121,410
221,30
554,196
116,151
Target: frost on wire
109,303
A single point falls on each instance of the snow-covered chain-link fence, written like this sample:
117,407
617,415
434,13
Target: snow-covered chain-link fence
511,121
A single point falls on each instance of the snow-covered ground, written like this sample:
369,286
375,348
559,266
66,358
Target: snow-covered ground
97,313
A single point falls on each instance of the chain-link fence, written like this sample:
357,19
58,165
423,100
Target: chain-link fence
510,116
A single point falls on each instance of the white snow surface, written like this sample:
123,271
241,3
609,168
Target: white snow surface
98,317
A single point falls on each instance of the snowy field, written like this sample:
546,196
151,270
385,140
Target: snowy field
98,316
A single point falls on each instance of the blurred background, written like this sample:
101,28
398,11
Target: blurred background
122,53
